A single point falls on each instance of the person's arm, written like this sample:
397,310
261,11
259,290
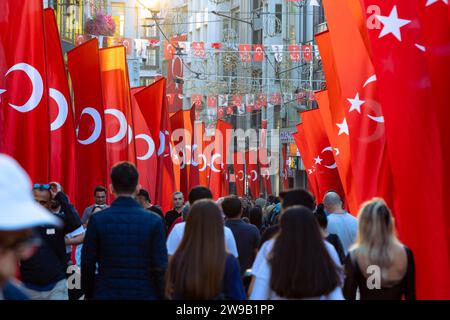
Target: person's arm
89,259
410,278
75,240
159,259
72,220
350,283
230,243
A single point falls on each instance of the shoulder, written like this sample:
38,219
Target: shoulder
12,292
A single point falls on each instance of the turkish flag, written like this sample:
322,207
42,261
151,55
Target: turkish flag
307,52
220,113
307,159
182,124
244,52
405,86
359,98
219,158
146,160
294,52
84,68
197,100
63,139
258,52
436,39
198,49
252,173
237,100
24,115
197,173
322,152
169,50
230,110
238,165
212,102
117,101
153,103
335,120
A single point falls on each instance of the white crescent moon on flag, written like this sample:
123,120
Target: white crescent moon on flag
123,125
151,146
130,134
36,83
334,165
162,143
379,119
95,115
213,158
242,172
63,109
255,176
193,162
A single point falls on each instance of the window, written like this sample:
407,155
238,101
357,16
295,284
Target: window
118,15
149,29
151,57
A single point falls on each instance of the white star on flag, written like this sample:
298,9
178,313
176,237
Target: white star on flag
356,103
318,160
343,127
430,2
392,24
310,171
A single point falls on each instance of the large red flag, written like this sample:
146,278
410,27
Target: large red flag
146,160
63,140
335,121
219,158
252,173
24,116
238,165
323,153
198,161
307,159
117,101
153,103
413,139
84,68
359,100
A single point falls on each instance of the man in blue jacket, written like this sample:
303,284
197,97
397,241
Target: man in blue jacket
124,254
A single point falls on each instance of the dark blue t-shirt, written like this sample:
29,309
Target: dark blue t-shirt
247,239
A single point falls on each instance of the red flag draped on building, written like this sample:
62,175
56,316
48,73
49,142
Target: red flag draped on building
359,100
152,101
84,68
413,139
146,160
322,152
335,121
24,116
63,140
219,158
117,102
307,160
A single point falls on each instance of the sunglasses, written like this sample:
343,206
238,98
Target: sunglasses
41,186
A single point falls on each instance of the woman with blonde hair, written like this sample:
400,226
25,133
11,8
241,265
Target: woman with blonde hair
379,264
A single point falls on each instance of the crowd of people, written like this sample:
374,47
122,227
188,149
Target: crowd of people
287,247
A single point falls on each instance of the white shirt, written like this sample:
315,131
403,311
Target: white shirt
175,236
261,269
345,226
74,233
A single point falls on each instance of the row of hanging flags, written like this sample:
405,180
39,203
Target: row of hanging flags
109,122
247,52
381,129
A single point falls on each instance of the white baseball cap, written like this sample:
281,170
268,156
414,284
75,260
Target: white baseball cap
18,209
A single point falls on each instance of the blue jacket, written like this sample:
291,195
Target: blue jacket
128,244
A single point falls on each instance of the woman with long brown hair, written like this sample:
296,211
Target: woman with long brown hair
298,263
201,268
379,264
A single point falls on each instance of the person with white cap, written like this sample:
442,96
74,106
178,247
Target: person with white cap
19,213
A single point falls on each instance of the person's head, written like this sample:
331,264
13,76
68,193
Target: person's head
301,264
124,177
178,200
232,207
198,193
196,269
321,217
376,234
297,197
143,198
332,202
260,202
270,199
42,195
256,216
100,195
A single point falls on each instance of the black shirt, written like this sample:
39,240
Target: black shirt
171,216
355,279
247,239
337,244
156,210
